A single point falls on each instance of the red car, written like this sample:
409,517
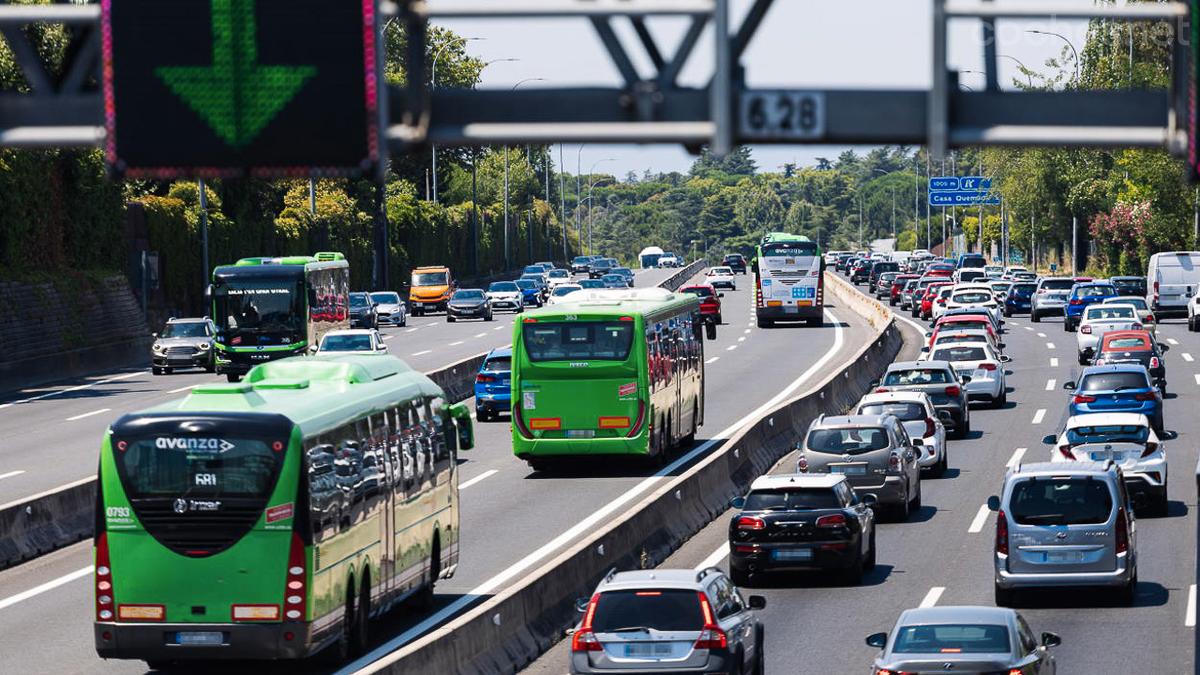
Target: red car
966,321
931,292
898,285
710,301
940,270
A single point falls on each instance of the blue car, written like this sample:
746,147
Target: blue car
1019,298
530,292
1083,295
1118,388
493,385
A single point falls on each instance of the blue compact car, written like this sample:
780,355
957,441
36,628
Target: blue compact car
530,292
1083,295
493,385
1117,388
1019,298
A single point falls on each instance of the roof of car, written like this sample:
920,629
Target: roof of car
955,614
1113,368
500,352
852,420
1116,418
797,480
1118,334
918,365
1062,469
351,331
194,320
895,396
654,578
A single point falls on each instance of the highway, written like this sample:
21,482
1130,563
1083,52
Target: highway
943,554
512,518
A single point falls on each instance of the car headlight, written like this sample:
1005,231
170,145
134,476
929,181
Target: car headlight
203,346
158,347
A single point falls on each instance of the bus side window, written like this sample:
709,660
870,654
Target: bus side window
443,430
408,459
324,495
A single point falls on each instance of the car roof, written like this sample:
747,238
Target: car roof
351,331
797,480
1118,418
500,352
919,365
654,578
1115,334
1113,368
895,396
191,320
852,421
955,614
1085,468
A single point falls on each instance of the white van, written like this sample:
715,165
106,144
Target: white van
1172,279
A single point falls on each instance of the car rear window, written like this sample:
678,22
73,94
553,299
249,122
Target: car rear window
917,376
960,354
980,324
665,610
1127,344
701,291
578,341
499,364
1114,381
1024,288
849,441
1109,433
957,638
1094,291
1111,312
973,296
1057,284
1060,501
904,410
792,499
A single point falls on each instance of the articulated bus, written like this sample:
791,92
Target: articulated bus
272,518
272,308
609,373
789,275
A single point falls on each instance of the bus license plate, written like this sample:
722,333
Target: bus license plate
581,433
200,638
794,554
849,470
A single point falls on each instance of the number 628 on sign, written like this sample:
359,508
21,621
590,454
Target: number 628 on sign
781,115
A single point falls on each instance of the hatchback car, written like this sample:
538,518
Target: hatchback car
562,293
468,303
980,366
183,343
721,277
735,262
883,285
675,621
873,452
539,280
580,264
1019,298
1118,388
362,311
1064,526
986,640
1127,440
355,340
390,309
710,301
624,272
1082,295
1050,297
493,385
600,267
1131,286
531,293
1135,346
557,277
614,281
939,381
920,419
506,295
1098,320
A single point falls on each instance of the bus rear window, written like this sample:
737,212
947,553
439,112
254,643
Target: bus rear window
797,249
578,341
207,468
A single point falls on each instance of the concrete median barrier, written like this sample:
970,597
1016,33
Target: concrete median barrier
675,281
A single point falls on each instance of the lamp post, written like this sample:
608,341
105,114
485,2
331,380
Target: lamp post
507,265
591,186
1069,44
437,55
1024,69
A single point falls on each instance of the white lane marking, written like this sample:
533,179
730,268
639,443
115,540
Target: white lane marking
731,348
49,585
747,331
742,339
498,328
1189,617
68,390
1041,335
476,479
1053,362
183,389
481,335
1173,341
1028,329
88,414
388,337
379,656
714,558
413,330
1016,457
1050,384
932,597
427,351
1197,378
455,344
1187,357
10,474
980,520
717,358
1049,345
1039,415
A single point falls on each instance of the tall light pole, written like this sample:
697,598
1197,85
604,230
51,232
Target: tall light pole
591,186
1069,44
579,191
1024,69
562,196
507,265
437,55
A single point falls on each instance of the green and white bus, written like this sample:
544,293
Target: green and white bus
272,518
789,280
610,373
272,308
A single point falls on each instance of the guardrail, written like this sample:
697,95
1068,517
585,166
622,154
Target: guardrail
509,630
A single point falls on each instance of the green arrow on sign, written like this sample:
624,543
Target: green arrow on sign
236,96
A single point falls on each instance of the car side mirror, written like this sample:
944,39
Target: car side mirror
945,416
208,291
312,349
919,442
966,379
1168,435
738,502
993,503
1001,345
874,383
1164,348
924,350
1004,358
581,604
1049,439
929,335
758,602
720,295
1068,386
869,499
877,640
1051,640
383,348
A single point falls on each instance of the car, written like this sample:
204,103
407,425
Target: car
506,295
896,289
1011,272
430,289
843,260
920,419
469,303
1127,440
939,381
1174,278
963,639
671,620
1024,276
861,272
1116,388
940,269
1193,312
917,293
873,452
981,368
949,335
669,261
580,264
588,284
184,343
493,385
966,320
710,301
1019,298
538,280
1064,526
836,531
972,261
531,293
624,272
721,277
355,340
941,298
615,281
883,285
390,309
1050,298
974,296
557,277
878,269
1082,295
537,268
993,318
1099,319
969,275
362,311
1135,346
1145,316
600,267
562,293
1131,286
931,294
1000,290
906,294
993,271
735,262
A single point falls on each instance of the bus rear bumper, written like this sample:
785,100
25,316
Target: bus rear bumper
593,447
790,313
161,641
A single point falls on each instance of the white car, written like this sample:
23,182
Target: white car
1099,319
953,336
721,277
975,296
506,295
1193,312
993,271
1145,315
562,293
1000,291
915,411
940,302
356,341
980,366
1126,438
389,308
1010,273
556,278
669,261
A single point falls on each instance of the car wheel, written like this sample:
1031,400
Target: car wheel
167,371
939,469
1000,401
1157,423
1127,594
404,321
1083,361
854,573
740,578
1192,324
449,319
766,323
488,317
902,511
720,320
916,502
156,370
760,649
871,557
1034,316
1161,504
1003,596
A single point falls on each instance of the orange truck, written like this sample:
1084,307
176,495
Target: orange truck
430,291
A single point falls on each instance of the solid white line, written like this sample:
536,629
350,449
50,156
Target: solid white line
599,515
1039,415
1049,345
476,479
68,390
427,351
714,558
1173,341
1189,617
455,344
49,585
1050,384
1041,335
1053,362
980,520
717,358
10,474
1188,357
1016,457
188,388
932,597
88,414
731,348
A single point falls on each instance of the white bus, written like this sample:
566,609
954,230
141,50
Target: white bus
789,280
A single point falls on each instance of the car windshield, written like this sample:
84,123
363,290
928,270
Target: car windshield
952,638
191,329
917,376
430,279
1060,501
721,270
977,325
1024,288
1118,381
503,287
237,467
359,300
535,278
1001,286
952,338
1094,291
534,269
471,294
792,499
1111,312
1109,433
346,343
578,341
259,308
525,284
848,441
907,411
960,353
1057,284
1127,344
973,297
386,298
560,274
581,260
590,283
564,290
669,610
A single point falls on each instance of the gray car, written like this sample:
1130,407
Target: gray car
1064,526
875,454
938,379
468,303
981,640
672,621
1050,297
389,308
183,343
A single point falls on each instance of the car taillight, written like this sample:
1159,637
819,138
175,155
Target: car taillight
1065,451
835,520
295,596
881,390
1154,362
711,635
930,427
1146,396
1122,531
1149,318
1083,398
484,379
953,390
1151,448
990,367
103,580
584,639
1086,330
1001,533
894,462
1076,301
802,463
1156,290
752,523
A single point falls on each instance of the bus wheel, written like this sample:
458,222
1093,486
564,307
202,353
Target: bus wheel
425,597
233,377
766,323
360,639
338,652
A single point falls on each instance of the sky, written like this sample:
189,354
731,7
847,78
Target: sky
825,44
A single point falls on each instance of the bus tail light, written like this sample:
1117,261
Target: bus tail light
254,612
545,423
103,580
639,422
584,639
295,593
614,422
519,421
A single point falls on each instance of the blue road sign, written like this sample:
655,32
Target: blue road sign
939,183
963,198
975,183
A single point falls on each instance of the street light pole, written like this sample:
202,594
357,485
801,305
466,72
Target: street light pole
1024,69
506,258
437,55
1070,44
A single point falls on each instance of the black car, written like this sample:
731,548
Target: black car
468,303
860,273
1134,346
877,269
362,311
600,267
1130,286
801,522
843,260
1019,298
580,264
735,262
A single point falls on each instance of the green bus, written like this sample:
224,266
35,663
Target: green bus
272,308
610,373
789,280
272,518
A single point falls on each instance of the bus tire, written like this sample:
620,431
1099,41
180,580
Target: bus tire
360,639
766,323
233,377
425,597
339,652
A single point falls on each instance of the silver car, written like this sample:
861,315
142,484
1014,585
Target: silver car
981,640
875,454
1050,297
390,309
183,343
1064,526
674,621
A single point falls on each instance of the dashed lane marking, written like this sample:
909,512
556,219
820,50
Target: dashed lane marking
183,389
980,519
89,414
1189,618
1017,455
10,474
1039,416
1049,345
731,348
1053,362
49,585
717,358
427,351
68,390
1188,357
932,597
1050,384
476,479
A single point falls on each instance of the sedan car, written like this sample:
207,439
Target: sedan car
721,277
939,381
506,295
1127,440
873,452
920,419
614,281
562,293
580,264
1145,314
493,385
1082,295
1119,388
1019,298
468,303
356,341
710,301
183,343
1131,286
538,280
362,311
735,262
600,267
1098,320
624,272
1135,346
590,284
951,639
557,277
531,293
981,368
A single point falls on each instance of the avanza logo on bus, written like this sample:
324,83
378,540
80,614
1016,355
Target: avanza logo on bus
215,445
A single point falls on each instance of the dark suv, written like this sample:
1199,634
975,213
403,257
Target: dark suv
938,379
362,311
736,262
877,269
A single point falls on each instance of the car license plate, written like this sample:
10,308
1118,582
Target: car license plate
644,649
581,433
200,638
1064,557
1102,456
792,554
852,470
978,374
